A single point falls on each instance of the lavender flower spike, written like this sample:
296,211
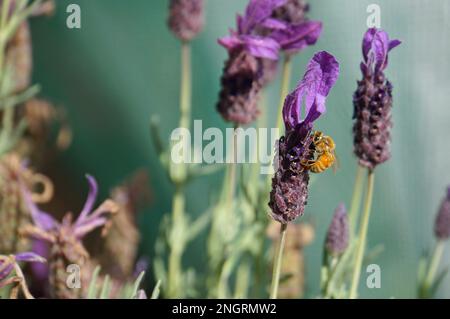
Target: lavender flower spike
338,232
243,76
289,193
442,223
186,18
267,27
373,101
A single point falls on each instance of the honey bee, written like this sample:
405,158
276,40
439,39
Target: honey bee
324,154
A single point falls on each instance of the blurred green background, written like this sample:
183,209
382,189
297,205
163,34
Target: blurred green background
123,66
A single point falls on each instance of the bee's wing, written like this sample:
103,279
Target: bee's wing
336,164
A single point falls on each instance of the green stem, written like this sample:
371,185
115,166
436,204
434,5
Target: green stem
186,86
364,226
277,263
4,16
432,269
231,189
232,174
178,239
356,199
177,245
243,280
332,267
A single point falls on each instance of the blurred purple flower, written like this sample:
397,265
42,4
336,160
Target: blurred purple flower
267,27
65,238
290,184
338,232
7,263
262,31
257,46
87,221
40,271
186,18
297,37
442,223
257,15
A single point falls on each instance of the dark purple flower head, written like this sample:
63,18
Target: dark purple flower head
338,232
263,32
302,107
7,263
186,18
373,101
309,97
442,223
376,47
266,27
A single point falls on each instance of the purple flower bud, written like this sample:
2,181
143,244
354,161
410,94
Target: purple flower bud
186,18
373,102
289,194
338,232
442,223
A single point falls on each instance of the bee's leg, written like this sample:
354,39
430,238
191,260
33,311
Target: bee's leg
307,163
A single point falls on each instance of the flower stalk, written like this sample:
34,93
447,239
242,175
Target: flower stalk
13,15
179,176
177,247
356,199
277,262
363,230
433,266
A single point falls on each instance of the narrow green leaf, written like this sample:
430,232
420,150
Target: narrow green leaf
437,283
157,290
92,290
136,285
106,289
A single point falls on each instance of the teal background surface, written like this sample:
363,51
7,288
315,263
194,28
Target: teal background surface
123,66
